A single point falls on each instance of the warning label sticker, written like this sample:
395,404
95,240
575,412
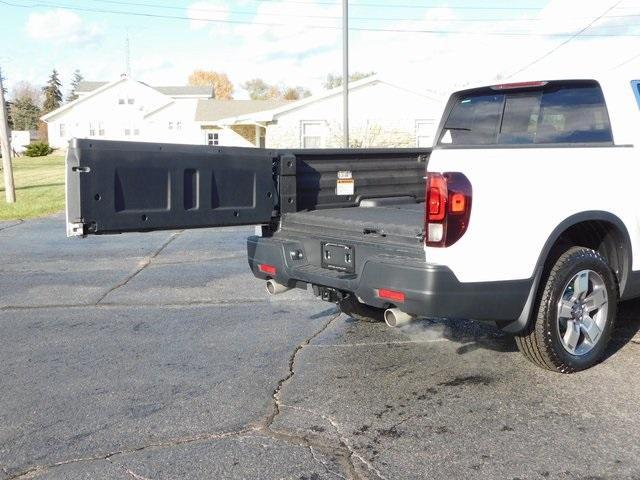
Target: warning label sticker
345,186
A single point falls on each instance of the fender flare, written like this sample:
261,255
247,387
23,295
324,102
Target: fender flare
523,320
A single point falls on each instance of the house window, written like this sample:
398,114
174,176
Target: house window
213,139
424,133
130,101
92,129
312,134
178,125
127,132
170,125
63,130
101,129
121,101
136,131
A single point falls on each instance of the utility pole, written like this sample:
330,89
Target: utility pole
9,189
128,56
345,72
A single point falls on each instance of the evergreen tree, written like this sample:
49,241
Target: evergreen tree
25,114
52,93
77,78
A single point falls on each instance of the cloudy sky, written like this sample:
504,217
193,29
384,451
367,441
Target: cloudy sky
423,44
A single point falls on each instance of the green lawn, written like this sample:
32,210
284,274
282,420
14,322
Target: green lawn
39,187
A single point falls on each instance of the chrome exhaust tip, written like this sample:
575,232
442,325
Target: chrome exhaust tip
275,288
394,317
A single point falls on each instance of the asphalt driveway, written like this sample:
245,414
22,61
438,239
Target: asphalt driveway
158,356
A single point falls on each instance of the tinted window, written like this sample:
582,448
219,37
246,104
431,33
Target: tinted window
559,113
573,114
474,120
520,119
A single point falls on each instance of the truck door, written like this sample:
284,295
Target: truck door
115,187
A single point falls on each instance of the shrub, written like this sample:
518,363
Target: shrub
38,149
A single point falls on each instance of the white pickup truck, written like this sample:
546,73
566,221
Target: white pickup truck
527,216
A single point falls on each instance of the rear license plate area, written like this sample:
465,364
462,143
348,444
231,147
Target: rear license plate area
338,257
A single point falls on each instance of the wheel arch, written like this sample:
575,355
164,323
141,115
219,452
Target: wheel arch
600,230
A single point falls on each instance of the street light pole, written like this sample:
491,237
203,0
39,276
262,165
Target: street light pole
9,189
345,72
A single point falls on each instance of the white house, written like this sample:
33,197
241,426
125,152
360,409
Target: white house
381,114
211,115
127,109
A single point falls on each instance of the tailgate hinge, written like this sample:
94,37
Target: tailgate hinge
287,187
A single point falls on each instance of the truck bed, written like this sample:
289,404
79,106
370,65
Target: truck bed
398,224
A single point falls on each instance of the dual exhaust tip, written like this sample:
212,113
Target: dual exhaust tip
393,317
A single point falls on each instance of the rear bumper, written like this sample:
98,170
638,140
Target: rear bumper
430,290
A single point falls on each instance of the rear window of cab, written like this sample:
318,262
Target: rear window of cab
547,114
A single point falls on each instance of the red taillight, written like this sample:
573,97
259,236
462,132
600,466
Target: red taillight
391,295
437,197
268,269
448,208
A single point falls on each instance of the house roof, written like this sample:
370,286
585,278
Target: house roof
87,87
268,115
371,80
186,90
212,110
90,89
82,98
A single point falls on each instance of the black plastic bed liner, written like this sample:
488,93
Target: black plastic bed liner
401,224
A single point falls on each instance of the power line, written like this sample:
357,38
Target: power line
629,60
394,5
326,27
330,17
572,37
327,17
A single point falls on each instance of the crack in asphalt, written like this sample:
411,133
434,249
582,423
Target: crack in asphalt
292,359
346,452
381,344
19,222
204,259
323,463
194,303
144,264
344,441
344,455
32,471
135,475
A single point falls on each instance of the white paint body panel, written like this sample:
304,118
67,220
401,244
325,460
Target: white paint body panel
520,195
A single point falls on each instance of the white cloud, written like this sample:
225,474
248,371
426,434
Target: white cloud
201,13
279,45
62,26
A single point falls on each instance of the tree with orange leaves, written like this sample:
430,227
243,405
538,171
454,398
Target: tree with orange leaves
222,86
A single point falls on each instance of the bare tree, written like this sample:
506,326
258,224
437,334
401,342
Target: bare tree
258,89
334,81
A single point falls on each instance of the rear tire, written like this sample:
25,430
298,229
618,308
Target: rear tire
575,314
359,311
